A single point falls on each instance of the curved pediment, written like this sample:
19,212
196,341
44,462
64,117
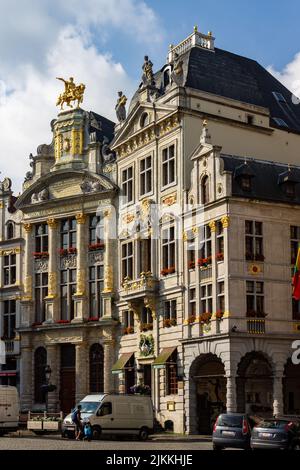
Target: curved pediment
63,184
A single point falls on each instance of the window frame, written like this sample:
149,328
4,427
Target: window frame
41,240
98,283
10,269
9,319
40,293
127,260
126,183
144,175
255,294
167,163
68,233
71,286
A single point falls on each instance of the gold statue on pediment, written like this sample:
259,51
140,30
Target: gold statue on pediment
72,92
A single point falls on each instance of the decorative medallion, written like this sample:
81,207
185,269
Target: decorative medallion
146,345
254,269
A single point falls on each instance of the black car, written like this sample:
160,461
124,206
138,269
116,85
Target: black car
231,430
281,434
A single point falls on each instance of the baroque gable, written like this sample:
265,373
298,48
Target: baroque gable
135,133
64,184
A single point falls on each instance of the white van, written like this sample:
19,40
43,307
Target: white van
9,409
115,414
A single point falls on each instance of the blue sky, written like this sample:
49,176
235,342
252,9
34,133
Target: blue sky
266,30
102,43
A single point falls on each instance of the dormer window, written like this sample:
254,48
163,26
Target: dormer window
250,119
288,181
244,174
245,182
166,78
144,121
290,189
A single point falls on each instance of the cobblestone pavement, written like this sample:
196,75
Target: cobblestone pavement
31,442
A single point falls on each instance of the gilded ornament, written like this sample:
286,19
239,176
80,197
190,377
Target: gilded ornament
72,92
225,221
80,218
52,223
27,227
212,226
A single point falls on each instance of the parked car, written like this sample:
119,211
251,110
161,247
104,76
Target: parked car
277,433
9,409
115,414
231,430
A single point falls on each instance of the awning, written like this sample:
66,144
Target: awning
119,366
160,361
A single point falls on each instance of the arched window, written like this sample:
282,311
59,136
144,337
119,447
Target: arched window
40,362
10,230
205,190
166,78
144,121
96,368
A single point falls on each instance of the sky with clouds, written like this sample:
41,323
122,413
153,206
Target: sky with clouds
102,43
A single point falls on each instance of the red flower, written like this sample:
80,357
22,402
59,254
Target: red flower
63,322
220,256
219,314
166,271
96,246
93,319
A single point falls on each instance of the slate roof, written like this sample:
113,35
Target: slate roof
102,126
233,76
267,179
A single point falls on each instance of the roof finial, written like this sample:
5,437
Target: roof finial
209,33
195,29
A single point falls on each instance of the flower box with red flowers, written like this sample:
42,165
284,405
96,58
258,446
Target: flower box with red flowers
93,319
63,322
40,254
36,323
166,271
96,246
205,317
219,314
72,250
192,264
191,319
168,322
128,330
220,256
204,262
255,314
146,326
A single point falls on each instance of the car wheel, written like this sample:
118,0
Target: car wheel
216,447
143,434
96,433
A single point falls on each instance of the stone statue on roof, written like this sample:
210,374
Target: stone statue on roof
120,107
147,77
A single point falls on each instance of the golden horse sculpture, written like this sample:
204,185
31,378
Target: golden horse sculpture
71,93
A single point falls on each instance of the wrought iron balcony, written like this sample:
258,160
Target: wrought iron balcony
12,346
256,326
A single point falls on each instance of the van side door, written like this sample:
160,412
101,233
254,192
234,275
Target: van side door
105,418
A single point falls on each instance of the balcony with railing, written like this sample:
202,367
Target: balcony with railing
145,285
12,346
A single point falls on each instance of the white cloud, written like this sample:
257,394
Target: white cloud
290,76
58,44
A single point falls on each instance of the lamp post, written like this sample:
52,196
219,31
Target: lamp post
47,376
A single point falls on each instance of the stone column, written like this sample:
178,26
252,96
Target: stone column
81,313
109,259
278,385
26,377
231,394
52,361
214,323
81,371
52,313
225,223
27,313
109,359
